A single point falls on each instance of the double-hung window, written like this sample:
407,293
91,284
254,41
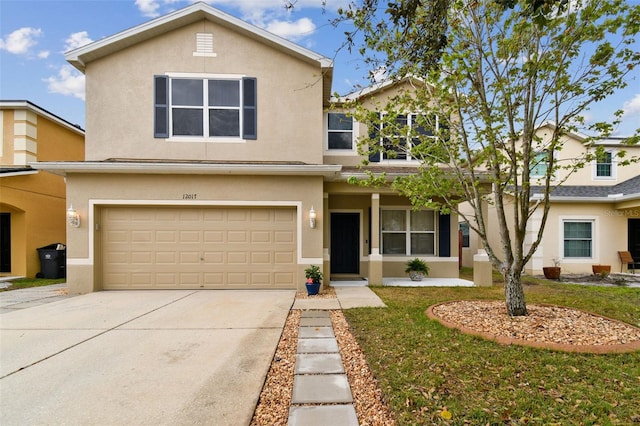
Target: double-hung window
399,137
408,232
604,165
578,238
205,108
539,164
340,131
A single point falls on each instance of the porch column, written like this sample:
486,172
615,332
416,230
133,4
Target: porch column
326,236
375,258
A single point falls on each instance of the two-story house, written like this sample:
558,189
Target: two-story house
32,202
595,210
214,160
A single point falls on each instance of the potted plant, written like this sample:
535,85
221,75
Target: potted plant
416,269
314,279
601,270
552,272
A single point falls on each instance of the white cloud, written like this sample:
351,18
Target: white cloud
43,54
76,40
68,82
631,107
20,41
292,30
149,7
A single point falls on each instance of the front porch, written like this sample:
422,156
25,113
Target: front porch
404,282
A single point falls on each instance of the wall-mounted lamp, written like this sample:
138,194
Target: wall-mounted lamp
73,218
312,218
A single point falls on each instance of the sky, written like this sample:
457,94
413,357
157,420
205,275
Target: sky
34,34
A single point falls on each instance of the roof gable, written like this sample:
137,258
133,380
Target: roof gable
81,56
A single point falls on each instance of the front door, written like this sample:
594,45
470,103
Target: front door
634,240
345,243
5,242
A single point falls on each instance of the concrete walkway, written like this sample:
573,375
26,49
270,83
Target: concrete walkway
321,392
34,296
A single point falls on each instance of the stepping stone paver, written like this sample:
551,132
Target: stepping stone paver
315,322
322,415
321,389
315,332
319,364
328,345
315,314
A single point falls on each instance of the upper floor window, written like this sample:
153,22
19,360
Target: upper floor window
205,108
399,138
408,232
604,166
340,131
539,164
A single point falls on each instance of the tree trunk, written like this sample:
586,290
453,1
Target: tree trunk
514,293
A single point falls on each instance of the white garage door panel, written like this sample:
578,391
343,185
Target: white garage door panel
155,247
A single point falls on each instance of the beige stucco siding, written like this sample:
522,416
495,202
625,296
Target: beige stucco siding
574,150
35,202
120,99
610,227
192,191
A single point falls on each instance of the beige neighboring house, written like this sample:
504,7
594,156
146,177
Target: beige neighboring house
214,160
594,214
32,202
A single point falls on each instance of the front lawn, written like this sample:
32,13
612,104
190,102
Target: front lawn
434,375
32,282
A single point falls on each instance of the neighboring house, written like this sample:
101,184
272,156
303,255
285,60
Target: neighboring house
214,160
594,213
32,202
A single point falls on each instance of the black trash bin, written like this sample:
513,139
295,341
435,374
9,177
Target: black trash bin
53,261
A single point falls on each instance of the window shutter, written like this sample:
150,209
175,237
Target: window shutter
374,136
444,236
161,107
250,108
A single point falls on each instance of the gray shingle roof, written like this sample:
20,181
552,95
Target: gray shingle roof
628,187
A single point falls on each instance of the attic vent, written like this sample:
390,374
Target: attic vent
204,45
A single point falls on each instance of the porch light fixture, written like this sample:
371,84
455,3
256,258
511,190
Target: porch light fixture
312,218
73,218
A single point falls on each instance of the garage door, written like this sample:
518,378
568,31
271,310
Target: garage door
182,248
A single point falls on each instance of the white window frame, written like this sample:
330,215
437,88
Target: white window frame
614,167
338,151
205,137
407,232
594,238
409,142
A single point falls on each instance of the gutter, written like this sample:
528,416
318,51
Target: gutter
64,168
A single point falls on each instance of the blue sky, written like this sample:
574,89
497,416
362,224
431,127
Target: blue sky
34,34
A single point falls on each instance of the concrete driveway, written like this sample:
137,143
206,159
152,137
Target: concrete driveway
140,357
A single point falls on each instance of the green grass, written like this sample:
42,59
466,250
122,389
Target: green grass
424,368
32,282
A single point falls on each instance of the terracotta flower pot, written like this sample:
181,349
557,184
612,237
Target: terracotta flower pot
551,272
601,269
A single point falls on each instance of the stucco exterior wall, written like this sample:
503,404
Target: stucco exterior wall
573,148
609,237
83,257
37,201
120,97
